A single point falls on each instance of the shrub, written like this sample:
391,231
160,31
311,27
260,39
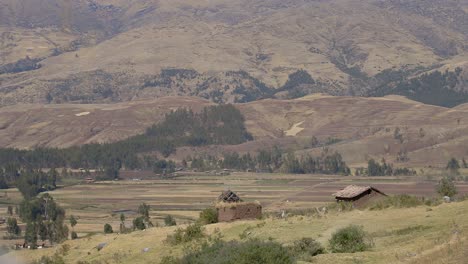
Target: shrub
55,259
74,235
307,246
349,240
139,223
208,216
192,232
108,229
169,221
235,252
446,187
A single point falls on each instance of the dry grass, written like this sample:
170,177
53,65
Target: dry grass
184,197
412,235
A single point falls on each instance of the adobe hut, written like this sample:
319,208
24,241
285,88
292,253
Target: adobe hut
230,207
358,195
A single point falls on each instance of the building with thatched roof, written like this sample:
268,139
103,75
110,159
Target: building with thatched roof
358,195
229,197
230,207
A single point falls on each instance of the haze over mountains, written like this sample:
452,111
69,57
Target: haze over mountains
95,51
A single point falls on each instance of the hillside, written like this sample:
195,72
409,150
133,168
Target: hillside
435,235
94,51
361,127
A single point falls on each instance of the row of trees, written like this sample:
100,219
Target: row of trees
274,160
374,168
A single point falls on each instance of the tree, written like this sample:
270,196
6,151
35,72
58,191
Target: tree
169,221
446,187
73,221
122,227
43,214
139,223
108,229
373,168
143,209
10,210
208,216
453,166
30,235
13,229
465,164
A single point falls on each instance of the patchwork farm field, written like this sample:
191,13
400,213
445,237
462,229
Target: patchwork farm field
184,196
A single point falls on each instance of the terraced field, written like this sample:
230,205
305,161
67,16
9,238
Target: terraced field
183,197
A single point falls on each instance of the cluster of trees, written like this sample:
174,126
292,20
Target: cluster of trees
453,165
296,81
275,160
29,181
26,64
374,168
437,88
139,223
32,182
223,124
45,220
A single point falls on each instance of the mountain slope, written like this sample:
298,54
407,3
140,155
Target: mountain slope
336,42
363,127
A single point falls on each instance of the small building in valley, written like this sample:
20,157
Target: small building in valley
89,180
358,195
230,207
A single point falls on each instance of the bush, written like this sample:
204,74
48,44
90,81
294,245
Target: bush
349,240
208,216
55,259
139,223
192,232
108,229
169,221
74,235
446,187
307,246
235,252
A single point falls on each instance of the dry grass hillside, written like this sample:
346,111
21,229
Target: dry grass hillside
427,235
359,128
28,126
335,41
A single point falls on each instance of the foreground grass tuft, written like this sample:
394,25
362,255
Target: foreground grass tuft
350,239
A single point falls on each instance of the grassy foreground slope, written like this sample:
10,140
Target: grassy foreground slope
410,235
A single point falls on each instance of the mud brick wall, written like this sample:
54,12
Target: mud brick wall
239,212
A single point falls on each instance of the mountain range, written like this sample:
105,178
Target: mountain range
101,51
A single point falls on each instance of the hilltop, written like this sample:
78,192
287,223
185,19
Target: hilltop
358,128
436,235
94,51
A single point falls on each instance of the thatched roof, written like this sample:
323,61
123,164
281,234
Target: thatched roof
229,197
352,191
